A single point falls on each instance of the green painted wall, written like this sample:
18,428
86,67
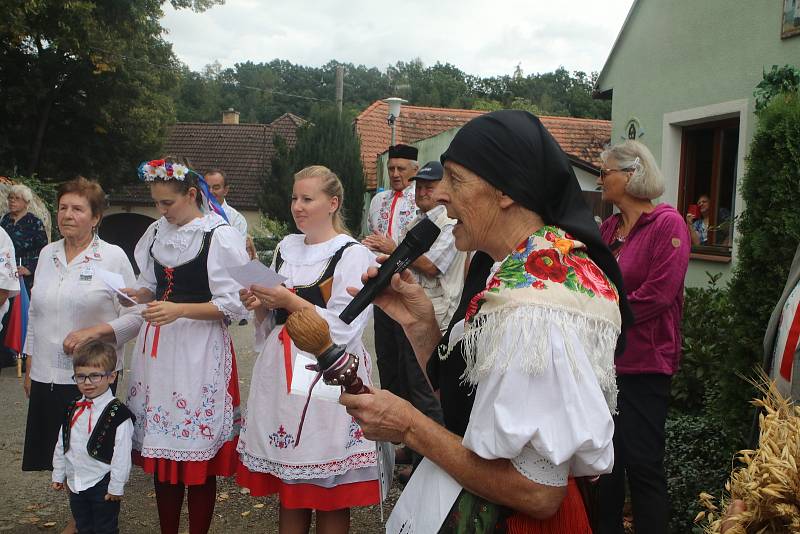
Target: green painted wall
680,55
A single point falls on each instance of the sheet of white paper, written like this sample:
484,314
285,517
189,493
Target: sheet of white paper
114,281
255,273
302,379
425,502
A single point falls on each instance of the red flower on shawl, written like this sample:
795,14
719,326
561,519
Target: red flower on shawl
546,264
591,276
156,162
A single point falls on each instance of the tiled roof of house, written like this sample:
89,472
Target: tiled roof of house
286,127
243,151
582,139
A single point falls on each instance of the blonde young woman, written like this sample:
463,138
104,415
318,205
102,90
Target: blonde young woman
334,467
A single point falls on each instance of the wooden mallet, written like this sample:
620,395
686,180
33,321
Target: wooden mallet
311,334
337,367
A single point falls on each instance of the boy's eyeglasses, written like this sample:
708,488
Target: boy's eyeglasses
94,378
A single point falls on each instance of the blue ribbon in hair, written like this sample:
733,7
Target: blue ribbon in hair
211,200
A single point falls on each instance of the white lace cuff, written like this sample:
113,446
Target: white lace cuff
539,469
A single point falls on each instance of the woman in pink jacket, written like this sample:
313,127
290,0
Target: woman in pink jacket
651,244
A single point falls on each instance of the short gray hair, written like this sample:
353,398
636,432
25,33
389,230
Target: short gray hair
647,181
22,191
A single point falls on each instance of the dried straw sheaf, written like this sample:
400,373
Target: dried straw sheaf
768,483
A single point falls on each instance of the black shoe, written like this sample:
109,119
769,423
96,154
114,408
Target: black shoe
243,322
403,456
404,474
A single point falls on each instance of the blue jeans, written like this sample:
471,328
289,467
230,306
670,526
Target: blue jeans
93,514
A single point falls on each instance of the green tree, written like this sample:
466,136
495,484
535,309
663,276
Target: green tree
276,189
86,85
326,140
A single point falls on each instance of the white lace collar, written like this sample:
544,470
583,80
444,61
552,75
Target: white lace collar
294,249
180,237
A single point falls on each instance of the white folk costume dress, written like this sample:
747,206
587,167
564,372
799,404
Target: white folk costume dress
333,466
183,387
539,347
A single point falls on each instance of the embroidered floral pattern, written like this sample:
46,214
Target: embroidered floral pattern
185,426
404,211
356,435
548,256
356,460
281,439
546,265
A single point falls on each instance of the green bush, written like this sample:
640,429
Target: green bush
769,234
266,237
699,453
707,323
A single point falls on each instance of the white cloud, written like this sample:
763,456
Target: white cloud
480,38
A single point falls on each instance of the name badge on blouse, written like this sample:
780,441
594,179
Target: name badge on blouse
86,274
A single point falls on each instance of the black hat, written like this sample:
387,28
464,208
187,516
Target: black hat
432,171
403,152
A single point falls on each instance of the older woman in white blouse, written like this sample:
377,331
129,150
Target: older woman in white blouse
69,296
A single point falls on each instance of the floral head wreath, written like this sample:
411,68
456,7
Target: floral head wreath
159,168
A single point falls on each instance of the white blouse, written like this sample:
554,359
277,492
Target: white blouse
550,425
8,270
70,296
301,266
176,245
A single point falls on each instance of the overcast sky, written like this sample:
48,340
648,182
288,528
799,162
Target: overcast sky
480,37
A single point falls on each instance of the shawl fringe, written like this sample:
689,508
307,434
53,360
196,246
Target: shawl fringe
493,341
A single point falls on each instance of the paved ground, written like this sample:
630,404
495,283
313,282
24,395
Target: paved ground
28,505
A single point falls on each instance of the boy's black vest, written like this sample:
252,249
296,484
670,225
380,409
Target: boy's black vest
317,292
101,442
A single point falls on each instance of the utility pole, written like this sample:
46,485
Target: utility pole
339,88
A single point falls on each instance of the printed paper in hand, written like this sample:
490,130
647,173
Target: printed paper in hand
114,281
425,502
255,273
302,379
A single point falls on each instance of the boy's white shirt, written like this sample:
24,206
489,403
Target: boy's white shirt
80,470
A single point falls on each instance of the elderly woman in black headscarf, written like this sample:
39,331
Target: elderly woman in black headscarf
534,337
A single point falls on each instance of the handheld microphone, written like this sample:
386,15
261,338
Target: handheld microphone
418,240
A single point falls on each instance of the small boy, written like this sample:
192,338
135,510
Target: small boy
93,452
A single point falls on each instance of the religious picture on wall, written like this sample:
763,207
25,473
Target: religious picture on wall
791,18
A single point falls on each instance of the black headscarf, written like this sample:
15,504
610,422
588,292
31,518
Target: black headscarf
515,153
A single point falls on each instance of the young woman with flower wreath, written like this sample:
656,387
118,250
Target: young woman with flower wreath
183,386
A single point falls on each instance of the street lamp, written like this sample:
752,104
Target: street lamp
394,112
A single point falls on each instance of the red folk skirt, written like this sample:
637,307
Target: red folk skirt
191,473
569,519
307,495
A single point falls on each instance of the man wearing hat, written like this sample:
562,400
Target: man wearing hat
389,213
440,271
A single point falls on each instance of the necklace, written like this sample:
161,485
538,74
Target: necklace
618,233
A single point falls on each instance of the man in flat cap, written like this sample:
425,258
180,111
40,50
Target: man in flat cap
440,271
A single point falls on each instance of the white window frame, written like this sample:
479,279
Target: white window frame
671,138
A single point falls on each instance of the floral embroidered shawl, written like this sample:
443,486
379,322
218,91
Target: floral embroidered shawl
548,279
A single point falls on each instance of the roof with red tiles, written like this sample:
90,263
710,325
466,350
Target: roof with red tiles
286,127
243,151
581,139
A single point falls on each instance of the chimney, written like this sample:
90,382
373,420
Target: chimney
230,116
